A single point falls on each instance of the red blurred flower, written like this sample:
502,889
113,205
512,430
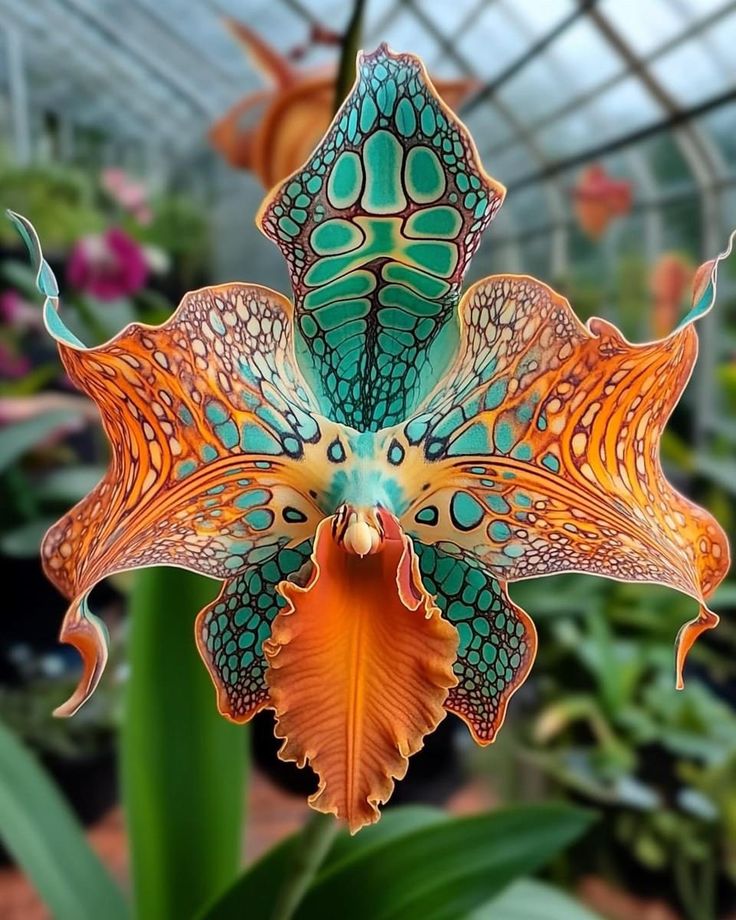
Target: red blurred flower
108,266
599,199
12,365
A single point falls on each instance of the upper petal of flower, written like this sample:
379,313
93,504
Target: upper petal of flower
378,229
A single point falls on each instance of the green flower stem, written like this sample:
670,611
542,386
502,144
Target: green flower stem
183,764
348,54
316,839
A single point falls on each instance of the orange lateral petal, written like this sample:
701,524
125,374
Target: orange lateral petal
360,663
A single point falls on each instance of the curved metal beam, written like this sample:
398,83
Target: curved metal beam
696,28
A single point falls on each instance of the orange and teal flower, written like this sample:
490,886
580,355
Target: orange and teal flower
366,468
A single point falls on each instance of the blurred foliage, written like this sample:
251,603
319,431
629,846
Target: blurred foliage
38,828
178,227
60,198
609,728
419,861
26,707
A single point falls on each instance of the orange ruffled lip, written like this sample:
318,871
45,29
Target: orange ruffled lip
360,664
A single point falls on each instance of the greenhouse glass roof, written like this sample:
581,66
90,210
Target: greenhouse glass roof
559,84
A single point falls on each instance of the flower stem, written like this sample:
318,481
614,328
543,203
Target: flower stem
350,47
315,840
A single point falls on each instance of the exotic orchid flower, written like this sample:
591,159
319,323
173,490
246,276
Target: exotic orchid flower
368,467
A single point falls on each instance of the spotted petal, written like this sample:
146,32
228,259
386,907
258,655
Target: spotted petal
497,640
231,631
543,449
378,229
210,427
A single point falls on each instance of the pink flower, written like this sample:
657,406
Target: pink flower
16,312
81,412
131,195
108,265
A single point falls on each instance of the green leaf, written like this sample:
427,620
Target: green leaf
395,823
529,899
31,382
24,542
261,885
69,484
183,764
43,835
424,866
442,872
17,438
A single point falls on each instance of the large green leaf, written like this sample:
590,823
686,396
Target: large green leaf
529,899
183,764
432,867
261,887
444,871
38,828
395,823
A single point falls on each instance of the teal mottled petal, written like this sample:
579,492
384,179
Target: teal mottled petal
398,201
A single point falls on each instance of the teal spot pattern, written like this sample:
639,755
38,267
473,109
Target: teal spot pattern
232,630
497,640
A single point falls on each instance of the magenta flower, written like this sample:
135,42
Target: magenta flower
108,265
17,313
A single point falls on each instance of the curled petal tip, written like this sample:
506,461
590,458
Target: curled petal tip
705,283
687,636
88,635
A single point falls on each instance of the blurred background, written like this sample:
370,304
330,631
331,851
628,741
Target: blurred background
140,138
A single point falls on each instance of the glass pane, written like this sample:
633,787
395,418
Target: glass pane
448,17
721,126
538,18
492,44
645,24
536,89
587,55
512,164
489,128
406,32
689,73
